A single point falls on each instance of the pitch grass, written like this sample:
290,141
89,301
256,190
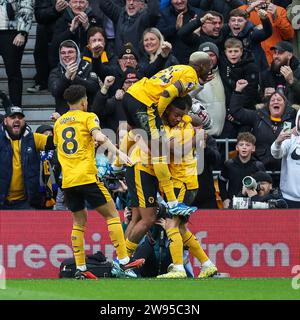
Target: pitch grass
150,289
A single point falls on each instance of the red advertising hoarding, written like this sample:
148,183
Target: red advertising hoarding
243,243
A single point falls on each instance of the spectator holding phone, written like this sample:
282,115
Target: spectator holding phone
266,123
284,72
282,27
287,148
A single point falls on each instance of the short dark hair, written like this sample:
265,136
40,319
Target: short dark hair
74,93
238,13
215,14
246,136
93,30
68,44
182,103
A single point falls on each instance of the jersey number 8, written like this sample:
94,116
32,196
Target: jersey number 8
68,135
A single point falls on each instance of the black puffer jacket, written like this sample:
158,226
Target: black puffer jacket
244,69
263,128
130,28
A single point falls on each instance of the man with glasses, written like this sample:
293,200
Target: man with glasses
71,70
208,28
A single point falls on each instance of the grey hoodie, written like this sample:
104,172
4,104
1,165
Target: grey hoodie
77,50
289,152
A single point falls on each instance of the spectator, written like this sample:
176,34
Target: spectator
223,7
282,28
260,194
71,70
213,30
286,147
238,63
15,23
235,169
212,96
20,162
203,29
110,110
284,72
177,14
293,11
96,46
107,24
266,123
156,53
73,24
46,13
128,58
130,21
240,27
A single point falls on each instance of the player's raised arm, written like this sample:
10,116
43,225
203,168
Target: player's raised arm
102,139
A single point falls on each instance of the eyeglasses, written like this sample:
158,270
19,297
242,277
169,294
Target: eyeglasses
130,58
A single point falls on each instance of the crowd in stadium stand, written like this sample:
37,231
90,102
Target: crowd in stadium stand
107,45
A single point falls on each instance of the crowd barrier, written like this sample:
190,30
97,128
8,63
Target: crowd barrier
243,243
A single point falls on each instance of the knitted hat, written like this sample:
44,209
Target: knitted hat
209,46
261,176
128,49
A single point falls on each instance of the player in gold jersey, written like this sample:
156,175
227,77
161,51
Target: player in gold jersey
183,168
145,102
75,133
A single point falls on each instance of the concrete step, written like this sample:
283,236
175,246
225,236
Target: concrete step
35,125
26,84
28,72
38,99
27,59
30,43
32,31
36,114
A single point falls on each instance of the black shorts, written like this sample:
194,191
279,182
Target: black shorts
142,187
95,194
140,116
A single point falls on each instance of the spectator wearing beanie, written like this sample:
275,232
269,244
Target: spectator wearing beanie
212,96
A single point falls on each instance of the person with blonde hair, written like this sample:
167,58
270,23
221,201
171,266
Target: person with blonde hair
155,52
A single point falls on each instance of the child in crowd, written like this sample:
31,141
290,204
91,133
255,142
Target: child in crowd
235,169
